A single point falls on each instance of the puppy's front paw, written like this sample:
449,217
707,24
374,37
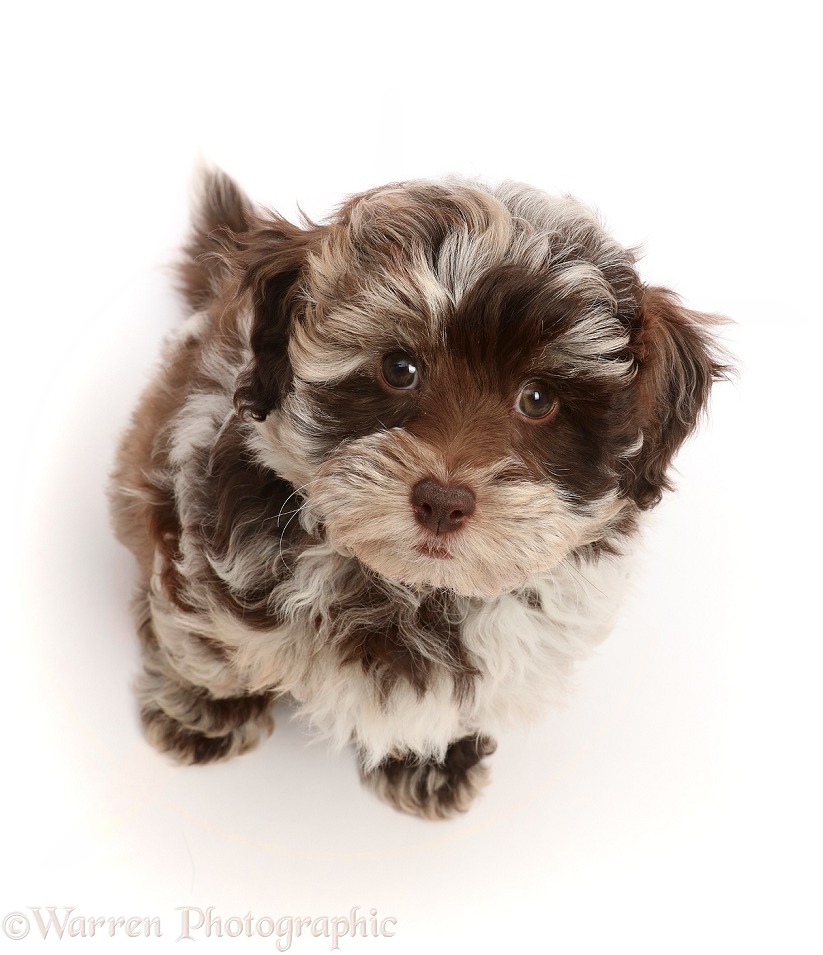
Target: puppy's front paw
185,744
193,726
431,789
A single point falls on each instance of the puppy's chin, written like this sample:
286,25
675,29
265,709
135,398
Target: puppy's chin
437,569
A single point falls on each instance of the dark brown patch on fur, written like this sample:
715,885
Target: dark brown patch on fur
394,641
467,752
270,261
357,406
248,506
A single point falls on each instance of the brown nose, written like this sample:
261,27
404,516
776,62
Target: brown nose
439,508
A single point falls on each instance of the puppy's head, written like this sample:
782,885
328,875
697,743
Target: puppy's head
466,385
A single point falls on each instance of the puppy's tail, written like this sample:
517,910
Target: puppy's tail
221,212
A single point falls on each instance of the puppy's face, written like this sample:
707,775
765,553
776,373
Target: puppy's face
476,383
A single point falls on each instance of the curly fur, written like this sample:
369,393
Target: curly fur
266,483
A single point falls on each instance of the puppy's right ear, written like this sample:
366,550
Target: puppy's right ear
270,263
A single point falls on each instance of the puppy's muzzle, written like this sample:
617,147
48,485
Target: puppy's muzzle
440,508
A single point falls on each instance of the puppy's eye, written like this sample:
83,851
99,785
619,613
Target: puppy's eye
399,371
536,400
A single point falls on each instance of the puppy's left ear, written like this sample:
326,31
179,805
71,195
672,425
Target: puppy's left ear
678,361
270,263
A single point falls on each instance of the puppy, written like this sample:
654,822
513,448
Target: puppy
390,468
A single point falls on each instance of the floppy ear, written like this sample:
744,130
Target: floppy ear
678,361
270,262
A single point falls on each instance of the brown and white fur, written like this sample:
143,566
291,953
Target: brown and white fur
390,468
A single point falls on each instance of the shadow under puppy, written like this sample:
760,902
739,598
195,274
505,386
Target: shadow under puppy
390,466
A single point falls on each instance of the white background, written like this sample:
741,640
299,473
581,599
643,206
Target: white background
674,806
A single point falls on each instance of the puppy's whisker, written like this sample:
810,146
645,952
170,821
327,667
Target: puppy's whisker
296,492
553,578
576,571
280,556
